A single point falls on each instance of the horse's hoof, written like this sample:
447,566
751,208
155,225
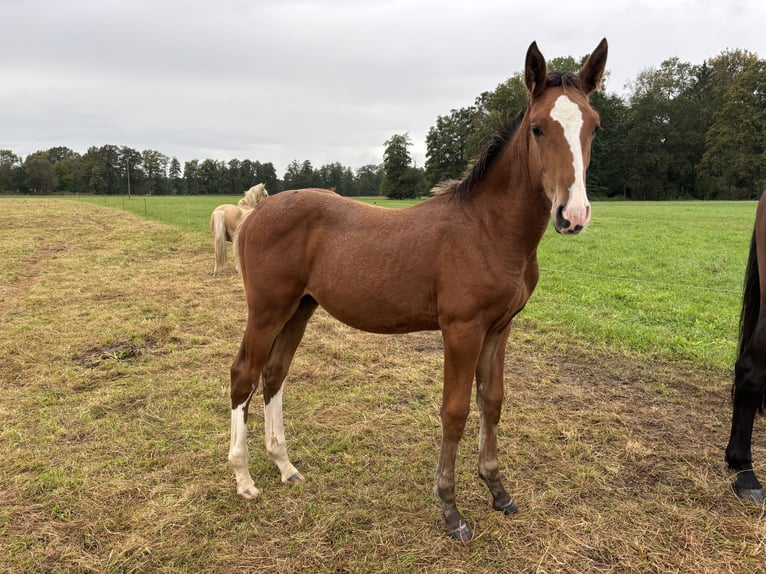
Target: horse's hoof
509,508
296,478
250,493
749,494
462,533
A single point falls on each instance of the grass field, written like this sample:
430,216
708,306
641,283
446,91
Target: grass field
116,344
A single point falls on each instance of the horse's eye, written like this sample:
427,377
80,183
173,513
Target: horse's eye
536,131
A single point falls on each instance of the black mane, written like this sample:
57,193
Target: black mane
461,189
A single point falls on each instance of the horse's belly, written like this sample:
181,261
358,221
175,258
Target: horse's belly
379,315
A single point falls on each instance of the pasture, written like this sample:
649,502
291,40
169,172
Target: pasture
116,343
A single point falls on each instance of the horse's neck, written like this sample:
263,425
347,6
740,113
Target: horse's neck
513,197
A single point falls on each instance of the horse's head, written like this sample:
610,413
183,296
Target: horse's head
561,125
253,196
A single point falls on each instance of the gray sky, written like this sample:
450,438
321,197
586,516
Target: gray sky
318,80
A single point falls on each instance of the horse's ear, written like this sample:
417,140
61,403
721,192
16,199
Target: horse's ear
535,71
592,72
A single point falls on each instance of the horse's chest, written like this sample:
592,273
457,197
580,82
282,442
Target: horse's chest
511,297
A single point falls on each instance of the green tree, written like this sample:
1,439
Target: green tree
101,171
10,168
266,174
192,182
368,180
493,109
734,162
446,145
131,169
665,132
40,176
155,166
174,177
400,179
213,177
609,158
300,176
64,176
335,176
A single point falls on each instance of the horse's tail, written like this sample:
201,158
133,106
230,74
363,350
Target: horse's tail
218,229
751,299
235,239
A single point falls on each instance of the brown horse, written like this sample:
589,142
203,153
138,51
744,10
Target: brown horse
225,219
463,261
749,390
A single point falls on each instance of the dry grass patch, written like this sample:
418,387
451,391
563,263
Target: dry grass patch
116,343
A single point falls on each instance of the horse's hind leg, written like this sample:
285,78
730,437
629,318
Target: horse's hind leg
489,396
274,374
263,326
245,373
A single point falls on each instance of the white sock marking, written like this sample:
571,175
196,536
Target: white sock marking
238,450
275,437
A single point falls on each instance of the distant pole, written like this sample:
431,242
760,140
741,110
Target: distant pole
127,170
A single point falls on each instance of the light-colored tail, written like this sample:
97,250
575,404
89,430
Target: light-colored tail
218,229
235,239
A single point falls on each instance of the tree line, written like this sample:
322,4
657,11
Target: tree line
683,131
121,170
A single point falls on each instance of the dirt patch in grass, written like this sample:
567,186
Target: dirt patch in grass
95,356
115,432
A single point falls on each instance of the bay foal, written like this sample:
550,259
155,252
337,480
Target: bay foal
463,262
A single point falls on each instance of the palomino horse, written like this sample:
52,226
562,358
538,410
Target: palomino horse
749,390
463,261
225,219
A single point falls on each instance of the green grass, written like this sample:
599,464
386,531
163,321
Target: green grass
655,279
649,278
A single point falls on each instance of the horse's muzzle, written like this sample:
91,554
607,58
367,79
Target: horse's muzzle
573,222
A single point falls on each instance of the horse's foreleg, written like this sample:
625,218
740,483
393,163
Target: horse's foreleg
274,375
489,397
461,350
747,398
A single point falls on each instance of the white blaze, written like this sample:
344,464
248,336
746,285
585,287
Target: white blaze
568,114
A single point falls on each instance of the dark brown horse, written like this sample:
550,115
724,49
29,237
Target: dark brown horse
749,390
464,262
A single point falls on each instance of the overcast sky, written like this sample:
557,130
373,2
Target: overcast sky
319,80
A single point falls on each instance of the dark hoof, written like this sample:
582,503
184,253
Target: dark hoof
462,533
509,508
749,494
296,478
